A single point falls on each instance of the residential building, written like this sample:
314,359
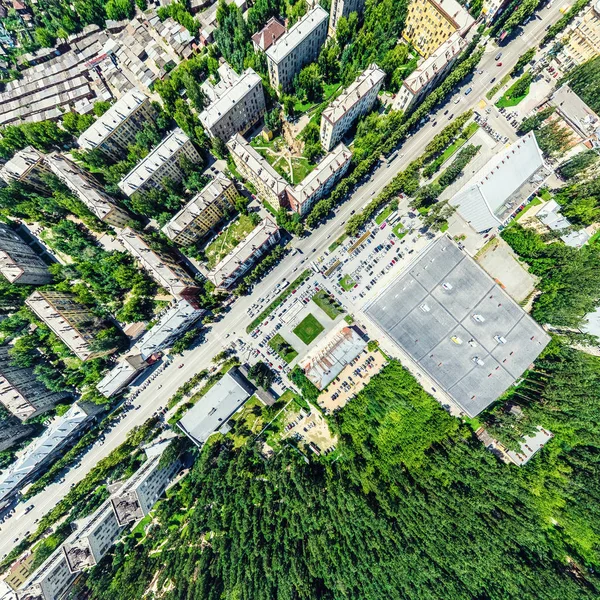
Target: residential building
26,166
297,48
343,8
160,164
320,180
430,23
245,254
172,323
51,581
581,40
20,391
205,210
269,184
493,195
117,128
44,449
18,262
160,266
262,40
141,492
235,109
492,8
71,321
217,406
88,190
11,431
121,375
18,573
429,73
550,215
356,100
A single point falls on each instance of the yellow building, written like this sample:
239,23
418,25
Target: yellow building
582,39
430,23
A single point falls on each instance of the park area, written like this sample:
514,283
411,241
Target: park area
327,304
516,92
227,240
308,329
283,348
294,168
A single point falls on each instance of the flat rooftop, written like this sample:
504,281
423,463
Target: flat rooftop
214,409
459,326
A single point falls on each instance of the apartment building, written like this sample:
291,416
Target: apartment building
117,128
235,109
343,8
18,262
430,23
167,273
492,8
205,210
356,100
20,391
11,431
162,163
426,76
320,181
26,166
262,40
71,321
87,189
298,47
581,40
121,375
245,254
269,184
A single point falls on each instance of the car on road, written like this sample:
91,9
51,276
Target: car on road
498,56
499,64
468,91
492,80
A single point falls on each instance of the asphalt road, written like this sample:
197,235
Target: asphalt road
234,322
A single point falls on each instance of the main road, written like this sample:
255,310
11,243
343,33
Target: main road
160,389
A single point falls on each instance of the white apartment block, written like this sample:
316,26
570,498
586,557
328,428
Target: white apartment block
235,109
162,268
343,8
20,391
269,184
71,321
26,166
425,77
320,181
160,164
18,262
207,208
87,189
245,254
117,128
357,100
297,48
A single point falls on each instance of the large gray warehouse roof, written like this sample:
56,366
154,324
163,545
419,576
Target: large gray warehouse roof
447,314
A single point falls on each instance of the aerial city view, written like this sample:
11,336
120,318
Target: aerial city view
299,299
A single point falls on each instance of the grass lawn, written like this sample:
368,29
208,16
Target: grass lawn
308,329
269,208
272,152
383,215
400,231
349,319
347,282
327,304
328,91
545,195
508,100
535,202
338,242
220,247
283,348
459,143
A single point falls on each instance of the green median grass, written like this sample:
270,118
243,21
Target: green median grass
283,348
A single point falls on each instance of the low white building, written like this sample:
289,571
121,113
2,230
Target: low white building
356,100
26,166
121,375
552,218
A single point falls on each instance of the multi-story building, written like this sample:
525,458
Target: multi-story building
11,431
161,267
426,76
235,109
357,100
430,23
262,40
71,321
116,129
18,262
269,184
26,166
581,40
298,47
245,254
343,8
492,8
20,391
319,181
172,323
207,208
88,190
162,163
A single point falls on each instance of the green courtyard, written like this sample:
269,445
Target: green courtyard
222,245
283,348
293,168
308,329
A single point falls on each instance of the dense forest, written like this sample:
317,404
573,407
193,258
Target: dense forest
412,507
